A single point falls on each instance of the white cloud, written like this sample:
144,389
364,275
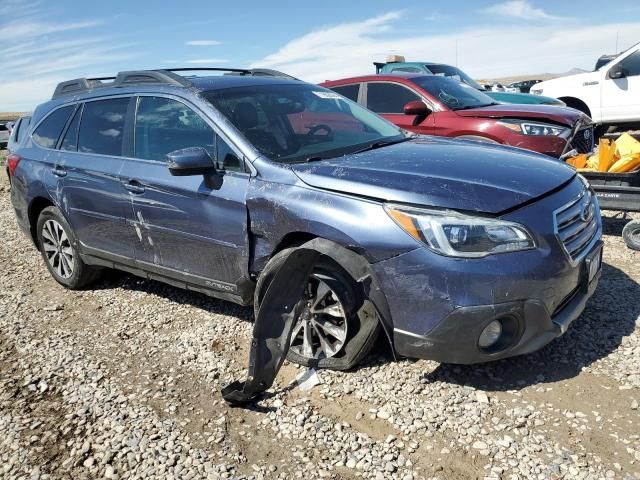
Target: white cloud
349,49
519,9
202,43
199,61
37,52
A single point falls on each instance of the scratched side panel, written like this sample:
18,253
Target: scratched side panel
284,205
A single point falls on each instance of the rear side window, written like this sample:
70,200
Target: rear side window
21,128
47,133
388,97
164,125
102,126
70,140
349,91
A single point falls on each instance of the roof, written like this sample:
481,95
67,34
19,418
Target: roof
218,82
381,76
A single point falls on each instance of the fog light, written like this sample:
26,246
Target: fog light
490,334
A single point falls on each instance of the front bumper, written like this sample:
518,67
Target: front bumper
455,340
439,305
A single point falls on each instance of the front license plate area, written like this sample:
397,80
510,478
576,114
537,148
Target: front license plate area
593,263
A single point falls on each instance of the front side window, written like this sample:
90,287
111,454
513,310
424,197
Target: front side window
47,133
300,122
631,64
102,126
388,97
164,125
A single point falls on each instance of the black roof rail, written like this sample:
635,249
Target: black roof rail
165,76
254,72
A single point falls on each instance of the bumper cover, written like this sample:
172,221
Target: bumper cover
455,339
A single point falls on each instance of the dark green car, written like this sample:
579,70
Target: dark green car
454,72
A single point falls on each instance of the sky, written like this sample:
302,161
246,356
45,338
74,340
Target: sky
43,42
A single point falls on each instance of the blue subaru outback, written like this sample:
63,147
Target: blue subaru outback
464,251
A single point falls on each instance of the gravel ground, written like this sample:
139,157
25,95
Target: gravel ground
122,381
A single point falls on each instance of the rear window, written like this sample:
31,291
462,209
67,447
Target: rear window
47,133
102,126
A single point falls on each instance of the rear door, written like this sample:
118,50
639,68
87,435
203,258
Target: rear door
621,96
388,99
88,164
193,228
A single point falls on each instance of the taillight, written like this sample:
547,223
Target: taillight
12,163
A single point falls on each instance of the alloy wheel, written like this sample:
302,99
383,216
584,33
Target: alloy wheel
320,330
57,249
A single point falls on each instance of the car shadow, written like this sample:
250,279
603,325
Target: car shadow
613,222
610,315
113,279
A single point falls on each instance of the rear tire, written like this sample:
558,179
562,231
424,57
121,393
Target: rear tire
58,247
631,234
354,336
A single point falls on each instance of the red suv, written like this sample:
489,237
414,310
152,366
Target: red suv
436,105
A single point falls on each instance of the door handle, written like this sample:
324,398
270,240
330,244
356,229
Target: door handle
134,187
59,172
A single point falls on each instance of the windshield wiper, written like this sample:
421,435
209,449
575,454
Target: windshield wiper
469,107
380,144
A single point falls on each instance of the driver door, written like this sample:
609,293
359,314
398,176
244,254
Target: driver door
388,100
193,228
620,96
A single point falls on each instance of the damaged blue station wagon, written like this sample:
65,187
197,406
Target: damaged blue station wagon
462,252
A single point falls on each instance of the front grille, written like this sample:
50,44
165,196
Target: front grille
582,141
577,224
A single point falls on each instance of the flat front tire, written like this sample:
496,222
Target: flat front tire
58,248
328,332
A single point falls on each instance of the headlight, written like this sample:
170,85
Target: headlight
536,91
457,235
532,128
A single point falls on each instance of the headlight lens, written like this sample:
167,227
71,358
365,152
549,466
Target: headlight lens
532,128
536,91
454,234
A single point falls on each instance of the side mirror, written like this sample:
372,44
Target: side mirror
617,72
190,161
417,108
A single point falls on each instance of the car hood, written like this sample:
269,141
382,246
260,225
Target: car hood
436,172
523,98
563,115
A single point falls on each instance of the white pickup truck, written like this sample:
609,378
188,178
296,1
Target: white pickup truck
610,95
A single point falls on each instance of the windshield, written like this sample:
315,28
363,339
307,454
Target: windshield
453,94
300,122
455,73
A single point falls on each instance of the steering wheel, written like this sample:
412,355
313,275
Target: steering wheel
320,127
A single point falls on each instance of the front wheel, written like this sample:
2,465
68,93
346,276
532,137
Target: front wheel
58,248
631,234
329,332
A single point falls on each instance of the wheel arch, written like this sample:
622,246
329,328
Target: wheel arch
36,206
356,265
576,103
